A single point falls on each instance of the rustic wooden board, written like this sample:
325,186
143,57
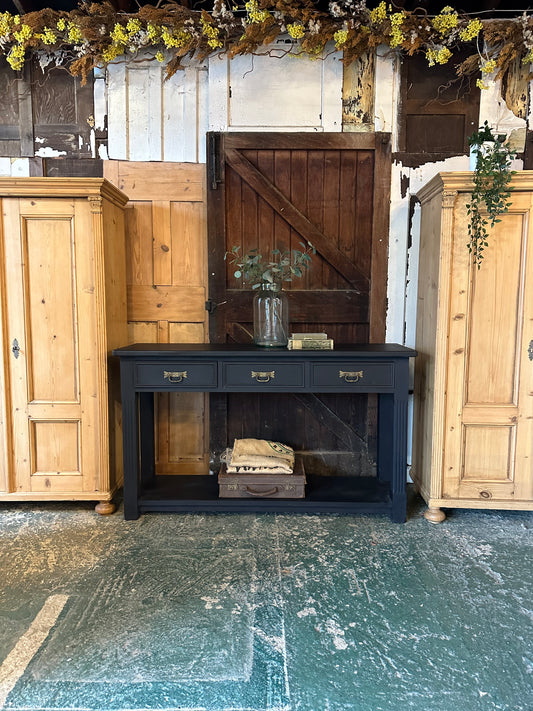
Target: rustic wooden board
166,268
279,190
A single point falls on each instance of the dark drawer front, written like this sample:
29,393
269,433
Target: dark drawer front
253,376
178,375
352,375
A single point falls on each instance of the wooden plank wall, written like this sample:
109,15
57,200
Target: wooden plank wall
166,261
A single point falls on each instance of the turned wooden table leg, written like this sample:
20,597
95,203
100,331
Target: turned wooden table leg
104,508
434,515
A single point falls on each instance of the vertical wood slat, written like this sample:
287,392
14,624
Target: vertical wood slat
189,263
315,202
298,196
380,238
331,213
162,243
139,228
365,210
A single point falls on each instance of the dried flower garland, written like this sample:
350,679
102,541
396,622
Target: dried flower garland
96,34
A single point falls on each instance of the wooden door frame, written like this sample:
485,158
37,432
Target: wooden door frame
219,143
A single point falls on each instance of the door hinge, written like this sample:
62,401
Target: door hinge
530,350
15,348
212,306
214,161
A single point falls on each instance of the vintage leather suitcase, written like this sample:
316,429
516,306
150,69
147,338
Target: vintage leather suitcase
266,486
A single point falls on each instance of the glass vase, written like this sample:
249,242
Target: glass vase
271,316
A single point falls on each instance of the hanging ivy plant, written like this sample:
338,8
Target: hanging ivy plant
491,193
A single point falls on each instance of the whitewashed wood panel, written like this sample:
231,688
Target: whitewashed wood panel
153,119
275,93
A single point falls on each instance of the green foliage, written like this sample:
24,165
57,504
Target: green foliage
280,266
490,196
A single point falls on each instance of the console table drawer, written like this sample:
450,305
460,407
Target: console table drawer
364,375
180,374
251,376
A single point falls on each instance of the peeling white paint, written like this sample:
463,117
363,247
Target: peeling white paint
492,108
387,86
20,167
100,101
48,152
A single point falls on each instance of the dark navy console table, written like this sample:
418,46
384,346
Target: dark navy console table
147,368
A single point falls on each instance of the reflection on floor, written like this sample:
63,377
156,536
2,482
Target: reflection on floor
223,612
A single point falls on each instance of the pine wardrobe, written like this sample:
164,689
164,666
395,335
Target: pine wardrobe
473,410
63,309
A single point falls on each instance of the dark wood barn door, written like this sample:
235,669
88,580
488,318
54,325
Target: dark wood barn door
277,190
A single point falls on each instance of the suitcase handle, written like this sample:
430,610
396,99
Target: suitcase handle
274,490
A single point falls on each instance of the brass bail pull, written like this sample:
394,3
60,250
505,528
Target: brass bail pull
350,376
174,376
263,376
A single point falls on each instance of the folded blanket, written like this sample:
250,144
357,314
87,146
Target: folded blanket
262,453
257,470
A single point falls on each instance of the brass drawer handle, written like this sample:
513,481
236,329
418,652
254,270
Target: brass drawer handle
174,376
263,376
351,376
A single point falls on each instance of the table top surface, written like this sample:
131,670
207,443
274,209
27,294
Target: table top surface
353,350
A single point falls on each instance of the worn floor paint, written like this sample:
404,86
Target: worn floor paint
229,612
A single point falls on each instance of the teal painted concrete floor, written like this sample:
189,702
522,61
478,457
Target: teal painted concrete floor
227,612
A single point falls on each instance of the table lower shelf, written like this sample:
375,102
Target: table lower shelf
187,493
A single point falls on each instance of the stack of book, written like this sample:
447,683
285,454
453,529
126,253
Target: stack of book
310,341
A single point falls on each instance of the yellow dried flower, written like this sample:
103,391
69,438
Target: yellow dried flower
446,21
379,13
160,57
489,66
296,30
16,57
471,31
177,38
119,34
24,33
6,22
481,84
440,56
111,52
133,26
48,36
340,37
153,32
397,18
74,33
397,36
62,25
528,59
211,32
254,13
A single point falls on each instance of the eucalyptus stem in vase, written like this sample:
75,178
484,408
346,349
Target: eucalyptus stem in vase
266,275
